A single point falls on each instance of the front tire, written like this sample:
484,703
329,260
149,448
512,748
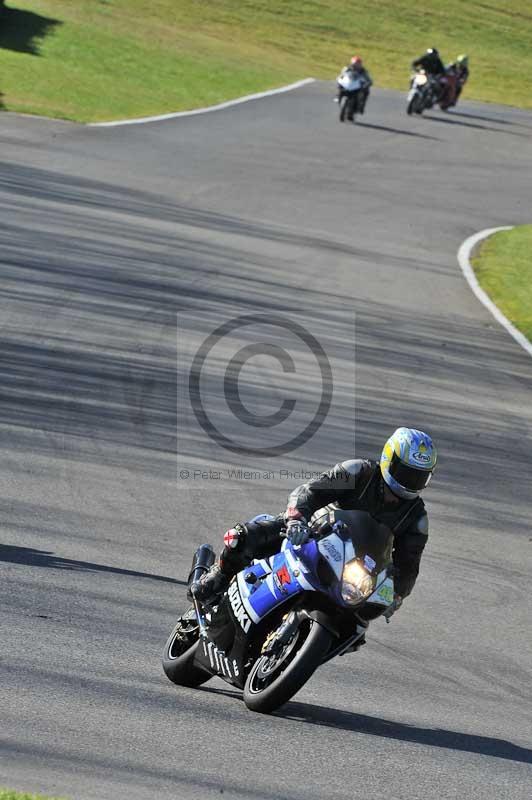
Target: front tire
412,103
343,108
352,107
271,685
179,652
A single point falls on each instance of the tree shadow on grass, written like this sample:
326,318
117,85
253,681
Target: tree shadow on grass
24,31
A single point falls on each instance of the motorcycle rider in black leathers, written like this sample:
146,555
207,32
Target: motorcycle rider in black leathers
388,489
430,62
435,69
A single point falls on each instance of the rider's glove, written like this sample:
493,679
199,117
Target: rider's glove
297,531
395,606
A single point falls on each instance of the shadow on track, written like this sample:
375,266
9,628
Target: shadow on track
400,131
388,729
481,117
236,694
24,31
77,397
498,121
12,554
197,783
449,121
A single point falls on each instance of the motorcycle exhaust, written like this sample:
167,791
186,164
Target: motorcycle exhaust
203,559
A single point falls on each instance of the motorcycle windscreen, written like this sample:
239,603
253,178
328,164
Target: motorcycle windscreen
370,538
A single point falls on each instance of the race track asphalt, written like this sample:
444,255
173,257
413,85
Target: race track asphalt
121,249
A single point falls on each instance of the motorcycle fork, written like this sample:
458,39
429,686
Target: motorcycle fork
278,638
200,617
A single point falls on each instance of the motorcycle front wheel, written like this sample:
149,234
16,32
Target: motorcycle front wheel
411,106
179,652
352,107
343,108
274,679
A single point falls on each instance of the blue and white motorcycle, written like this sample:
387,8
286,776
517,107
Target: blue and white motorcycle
285,615
352,99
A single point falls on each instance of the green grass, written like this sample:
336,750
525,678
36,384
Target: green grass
103,59
503,267
9,794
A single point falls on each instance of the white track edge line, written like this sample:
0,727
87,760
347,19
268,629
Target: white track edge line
464,255
176,114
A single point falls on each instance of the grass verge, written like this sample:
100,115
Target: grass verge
9,794
107,59
503,267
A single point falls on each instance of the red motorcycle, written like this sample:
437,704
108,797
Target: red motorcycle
448,89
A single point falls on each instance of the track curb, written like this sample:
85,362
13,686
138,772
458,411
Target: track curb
464,256
218,107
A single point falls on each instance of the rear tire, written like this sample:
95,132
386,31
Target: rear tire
179,652
264,692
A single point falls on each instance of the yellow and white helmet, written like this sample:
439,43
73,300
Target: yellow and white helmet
407,462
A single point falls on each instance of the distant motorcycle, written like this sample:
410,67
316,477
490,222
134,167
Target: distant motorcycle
448,89
456,80
461,80
353,88
427,91
283,616
422,93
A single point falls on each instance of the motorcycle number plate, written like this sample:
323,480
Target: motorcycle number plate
384,594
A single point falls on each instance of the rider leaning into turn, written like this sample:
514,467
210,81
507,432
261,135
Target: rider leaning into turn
431,62
389,490
461,70
435,68
357,69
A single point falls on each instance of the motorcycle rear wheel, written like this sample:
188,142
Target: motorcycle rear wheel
179,652
273,680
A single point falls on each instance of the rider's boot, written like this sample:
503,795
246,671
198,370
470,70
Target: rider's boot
213,583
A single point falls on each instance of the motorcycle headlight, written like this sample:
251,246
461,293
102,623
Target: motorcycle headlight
357,583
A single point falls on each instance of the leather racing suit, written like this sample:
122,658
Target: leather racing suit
352,485
431,63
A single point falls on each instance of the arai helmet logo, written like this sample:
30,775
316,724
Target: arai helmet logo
424,458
